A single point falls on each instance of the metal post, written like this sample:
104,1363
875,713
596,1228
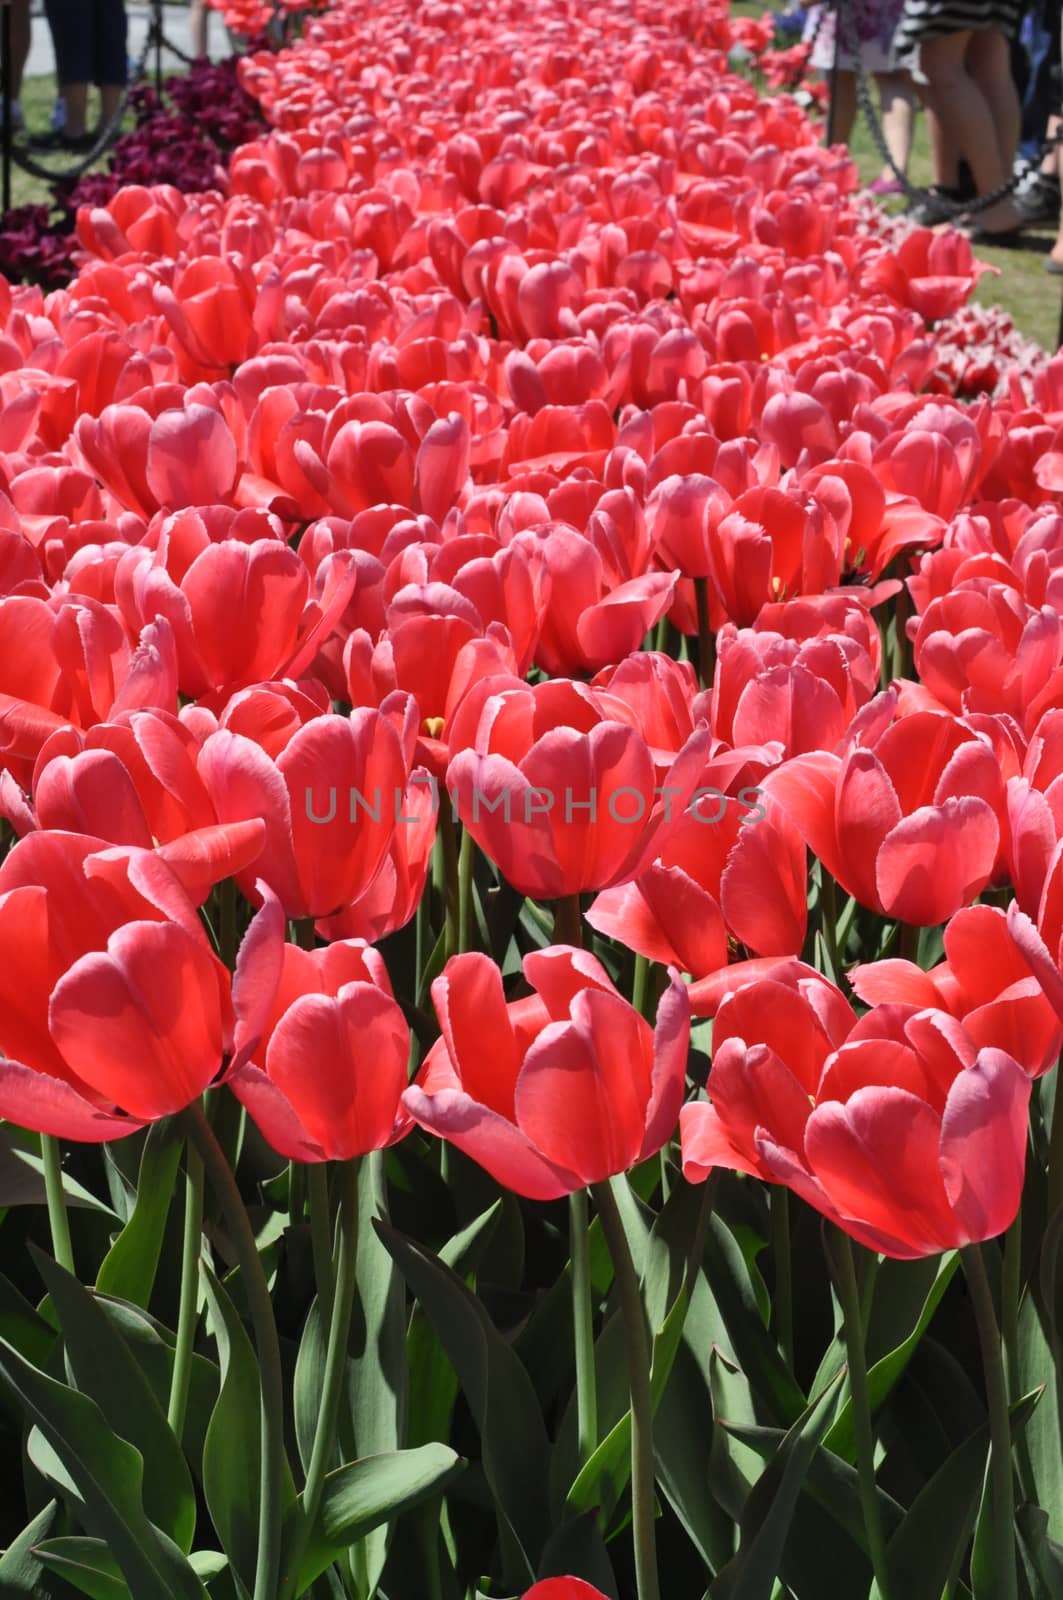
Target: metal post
6,130
832,105
156,28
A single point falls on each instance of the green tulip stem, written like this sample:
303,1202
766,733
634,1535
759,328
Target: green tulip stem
706,642
466,861
228,942
335,1371
640,985
271,1383
1054,1192
1005,1574
782,1299
448,845
321,1235
849,1296
58,1221
568,921
191,1246
583,1325
829,923
637,1345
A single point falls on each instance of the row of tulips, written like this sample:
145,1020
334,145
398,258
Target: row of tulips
531,758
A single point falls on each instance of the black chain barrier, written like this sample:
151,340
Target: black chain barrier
155,40
946,207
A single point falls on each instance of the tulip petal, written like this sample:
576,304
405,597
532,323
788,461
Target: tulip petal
983,1144
341,1063
494,1143
44,1104
143,1023
937,860
877,1160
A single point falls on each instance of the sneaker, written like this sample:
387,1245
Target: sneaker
58,139
1037,197
940,205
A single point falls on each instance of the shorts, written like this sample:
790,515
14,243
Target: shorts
89,37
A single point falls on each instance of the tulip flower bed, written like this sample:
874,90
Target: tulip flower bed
531,758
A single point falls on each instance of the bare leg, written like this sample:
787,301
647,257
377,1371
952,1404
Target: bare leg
844,106
963,109
198,24
21,27
1056,251
76,96
944,152
898,117
989,63
110,100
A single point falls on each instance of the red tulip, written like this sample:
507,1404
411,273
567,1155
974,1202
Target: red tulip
727,870
320,1046
551,1093
982,648
563,1589
559,794
115,1012
907,823
392,898
984,982
897,1127
804,696
331,802
770,546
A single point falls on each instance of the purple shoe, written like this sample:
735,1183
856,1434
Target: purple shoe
884,186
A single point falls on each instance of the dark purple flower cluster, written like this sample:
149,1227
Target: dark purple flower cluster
182,138
210,95
36,246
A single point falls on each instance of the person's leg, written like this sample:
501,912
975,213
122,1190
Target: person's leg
1056,253
197,23
989,63
111,55
964,114
71,27
21,28
844,104
897,99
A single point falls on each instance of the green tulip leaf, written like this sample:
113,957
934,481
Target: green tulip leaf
769,1510
86,1564
21,1577
364,1495
74,1446
883,1375
497,1387
103,1367
232,1450
129,1268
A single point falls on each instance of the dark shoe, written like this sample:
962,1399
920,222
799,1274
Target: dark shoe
1037,197
58,139
940,205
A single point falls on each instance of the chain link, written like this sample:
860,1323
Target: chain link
948,208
